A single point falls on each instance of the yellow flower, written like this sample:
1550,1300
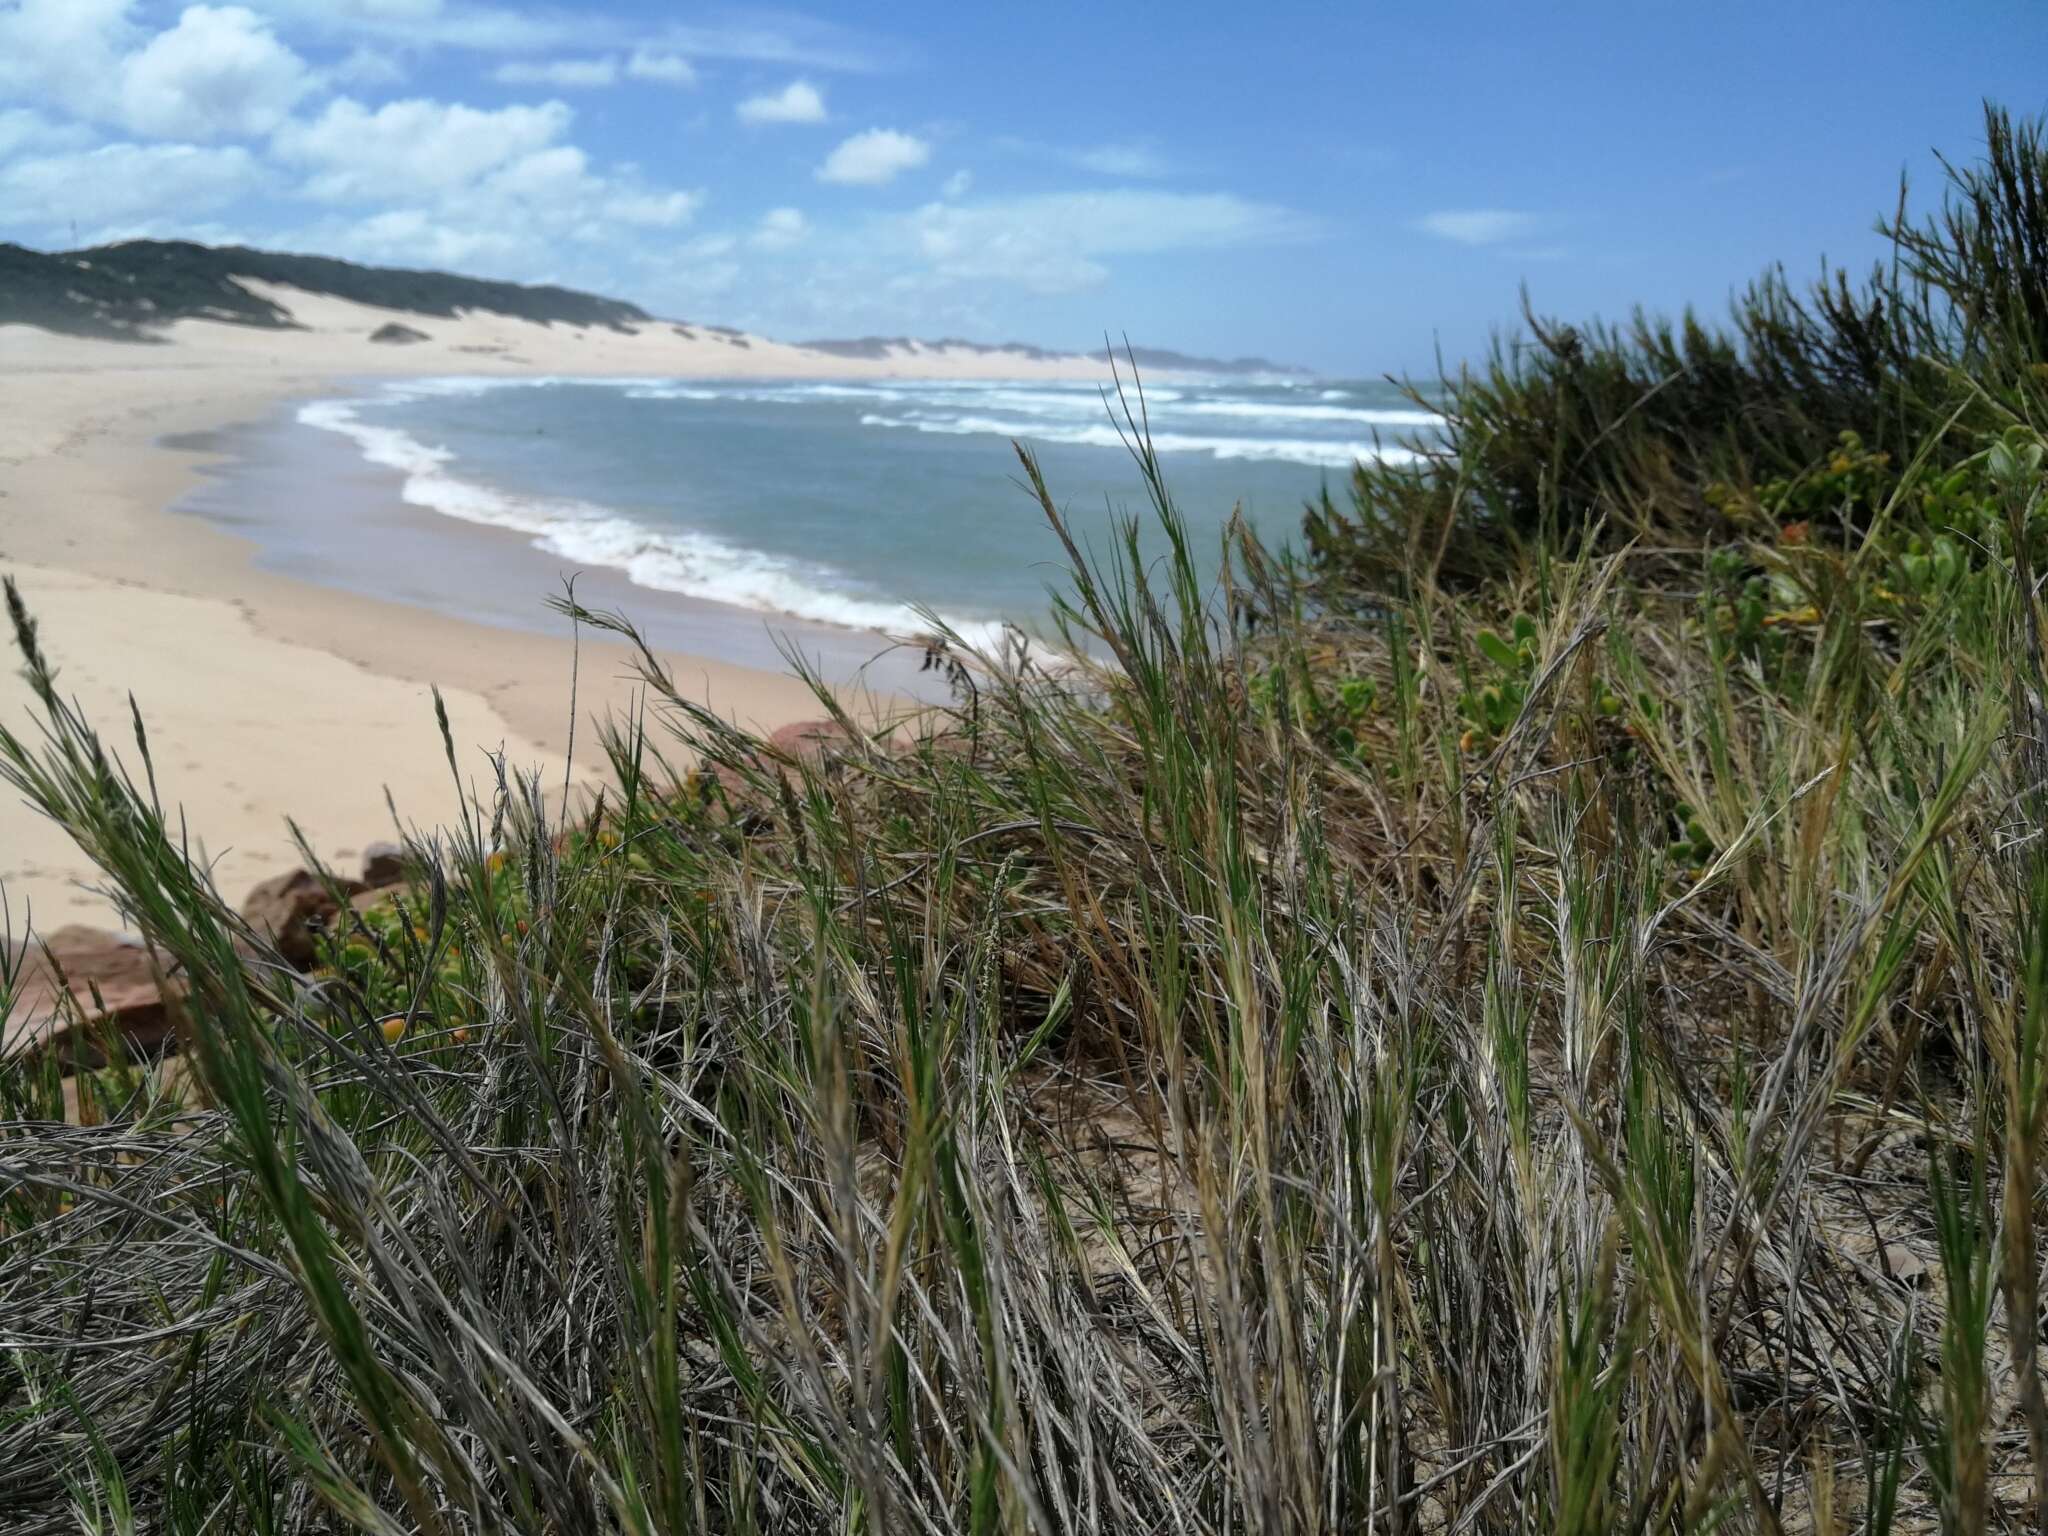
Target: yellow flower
1807,615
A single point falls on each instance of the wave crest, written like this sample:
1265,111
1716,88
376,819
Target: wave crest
691,564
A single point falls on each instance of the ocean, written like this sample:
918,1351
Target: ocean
849,505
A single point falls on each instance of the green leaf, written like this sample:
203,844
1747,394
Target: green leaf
1497,650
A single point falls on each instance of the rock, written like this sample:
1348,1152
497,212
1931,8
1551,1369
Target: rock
812,740
806,741
1906,1267
116,968
384,864
290,909
396,335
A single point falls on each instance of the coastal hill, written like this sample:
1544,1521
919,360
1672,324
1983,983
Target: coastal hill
133,290
124,291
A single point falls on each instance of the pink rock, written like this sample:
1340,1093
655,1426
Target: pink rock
110,977
289,909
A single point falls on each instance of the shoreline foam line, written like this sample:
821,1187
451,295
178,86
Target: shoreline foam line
688,564
1325,455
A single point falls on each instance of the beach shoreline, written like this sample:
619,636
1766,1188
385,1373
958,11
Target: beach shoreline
268,697
310,506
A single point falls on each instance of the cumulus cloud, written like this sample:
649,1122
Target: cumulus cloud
412,148
446,184
1477,226
219,73
23,129
779,229
65,52
797,102
874,158
660,67
958,184
563,74
118,184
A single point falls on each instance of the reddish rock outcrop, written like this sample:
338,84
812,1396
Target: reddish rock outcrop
110,977
806,741
384,864
290,909
814,739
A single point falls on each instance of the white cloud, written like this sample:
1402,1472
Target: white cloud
373,11
781,38
1122,160
23,129
522,220
445,184
564,74
780,228
797,102
442,23
1477,226
407,149
958,184
650,210
119,183
662,68
649,64
66,52
873,158
1055,242
219,73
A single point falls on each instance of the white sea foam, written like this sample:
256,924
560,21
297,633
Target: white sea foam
1259,410
1327,454
672,392
681,561
1299,424
1076,413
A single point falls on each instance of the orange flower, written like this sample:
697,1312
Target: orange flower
1795,533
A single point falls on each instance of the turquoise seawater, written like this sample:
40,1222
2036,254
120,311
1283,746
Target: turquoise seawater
853,503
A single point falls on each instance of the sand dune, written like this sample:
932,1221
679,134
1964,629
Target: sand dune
336,341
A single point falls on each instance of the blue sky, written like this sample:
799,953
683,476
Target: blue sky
1347,187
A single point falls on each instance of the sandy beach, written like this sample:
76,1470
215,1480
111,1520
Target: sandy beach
267,697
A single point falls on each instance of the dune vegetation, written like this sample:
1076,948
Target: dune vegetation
1528,1014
